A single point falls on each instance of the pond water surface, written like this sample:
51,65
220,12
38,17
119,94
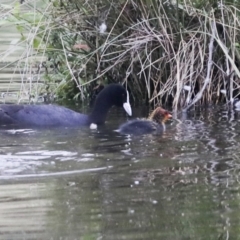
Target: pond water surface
98,184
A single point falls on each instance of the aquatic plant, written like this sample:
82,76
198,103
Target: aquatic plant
167,52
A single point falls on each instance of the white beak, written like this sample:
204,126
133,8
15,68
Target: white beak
127,106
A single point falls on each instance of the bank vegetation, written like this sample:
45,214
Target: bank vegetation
179,53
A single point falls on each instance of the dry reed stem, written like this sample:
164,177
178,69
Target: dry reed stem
209,69
154,53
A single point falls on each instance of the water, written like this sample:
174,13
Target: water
20,71
98,184
87,184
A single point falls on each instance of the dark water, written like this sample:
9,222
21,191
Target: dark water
88,184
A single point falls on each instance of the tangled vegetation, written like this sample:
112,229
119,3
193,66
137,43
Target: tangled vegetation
166,52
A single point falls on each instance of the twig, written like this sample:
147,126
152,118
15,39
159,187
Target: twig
70,69
209,67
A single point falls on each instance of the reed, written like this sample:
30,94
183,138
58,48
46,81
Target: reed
180,53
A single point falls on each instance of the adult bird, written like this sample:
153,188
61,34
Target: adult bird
57,116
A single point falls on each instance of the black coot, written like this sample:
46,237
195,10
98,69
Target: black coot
154,124
56,116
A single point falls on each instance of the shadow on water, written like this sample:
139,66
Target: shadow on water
98,184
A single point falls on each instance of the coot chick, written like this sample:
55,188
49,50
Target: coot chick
154,124
57,116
